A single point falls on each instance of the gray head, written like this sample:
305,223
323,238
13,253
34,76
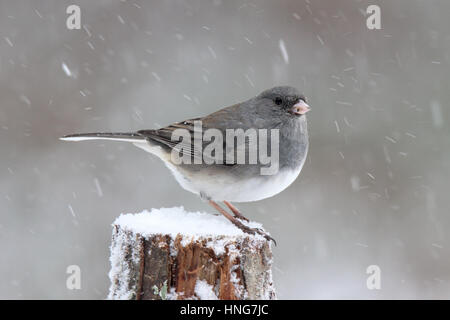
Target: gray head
285,99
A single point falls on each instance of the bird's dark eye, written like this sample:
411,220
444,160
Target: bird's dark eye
278,100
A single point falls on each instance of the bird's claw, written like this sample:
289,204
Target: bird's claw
249,230
267,237
242,218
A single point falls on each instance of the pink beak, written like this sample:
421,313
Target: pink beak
300,108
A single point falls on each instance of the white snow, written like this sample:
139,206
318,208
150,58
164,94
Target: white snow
320,39
354,181
390,139
204,291
38,13
71,210
25,99
9,42
98,187
337,126
249,80
213,53
284,52
248,40
120,273
66,69
156,76
177,220
436,114
191,226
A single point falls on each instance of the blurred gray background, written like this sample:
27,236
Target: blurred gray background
374,190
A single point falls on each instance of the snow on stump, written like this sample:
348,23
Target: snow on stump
173,254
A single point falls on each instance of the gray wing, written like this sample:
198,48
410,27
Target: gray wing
166,138
233,117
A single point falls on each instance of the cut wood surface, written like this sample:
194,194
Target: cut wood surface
192,256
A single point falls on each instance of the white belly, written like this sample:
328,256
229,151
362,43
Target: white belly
251,189
257,188
224,187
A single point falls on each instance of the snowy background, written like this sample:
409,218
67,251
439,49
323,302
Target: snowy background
375,186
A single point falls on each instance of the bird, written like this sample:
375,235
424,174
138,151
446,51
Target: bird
281,109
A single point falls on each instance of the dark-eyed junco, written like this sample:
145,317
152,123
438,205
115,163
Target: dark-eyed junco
280,110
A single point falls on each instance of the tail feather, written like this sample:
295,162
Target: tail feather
116,136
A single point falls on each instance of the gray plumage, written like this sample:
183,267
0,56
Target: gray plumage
272,109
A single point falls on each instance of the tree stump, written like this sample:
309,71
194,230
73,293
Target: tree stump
174,254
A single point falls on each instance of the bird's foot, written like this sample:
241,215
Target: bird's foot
237,220
236,212
253,231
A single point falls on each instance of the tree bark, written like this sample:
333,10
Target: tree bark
180,267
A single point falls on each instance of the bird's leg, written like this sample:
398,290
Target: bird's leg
235,211
239,224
